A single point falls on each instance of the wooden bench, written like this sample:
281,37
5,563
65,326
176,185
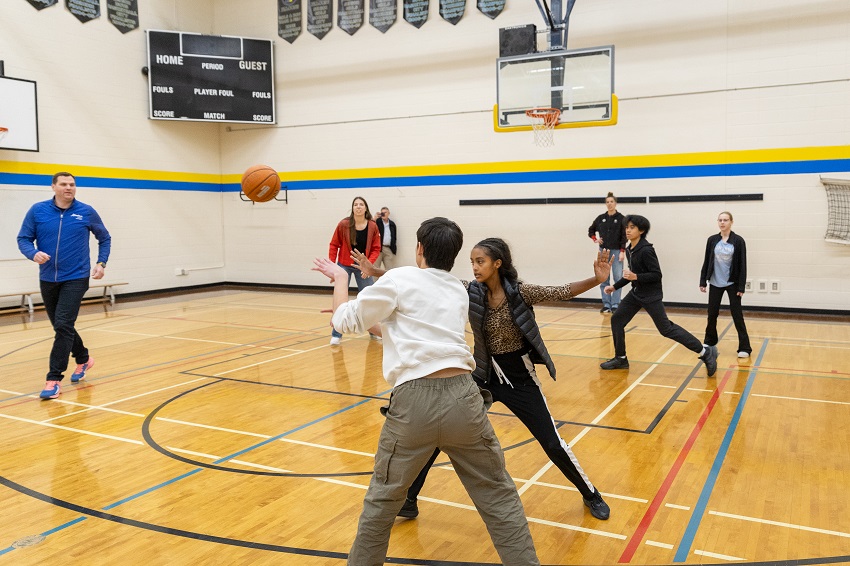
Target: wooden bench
107,286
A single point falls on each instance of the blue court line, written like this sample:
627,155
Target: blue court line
699,509
190,473
296,429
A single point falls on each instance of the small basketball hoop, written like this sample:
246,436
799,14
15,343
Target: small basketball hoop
3,132
543,122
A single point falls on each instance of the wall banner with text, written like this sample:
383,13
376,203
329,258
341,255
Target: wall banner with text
320,17
84,10
416,12
41,4
452,10
491,8
123,14
289,19
350,15
383,14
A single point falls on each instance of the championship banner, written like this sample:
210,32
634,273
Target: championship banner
383,14
41,4
84,10
491,8
123,14
452,10
415,12
350,15
320,14
289,19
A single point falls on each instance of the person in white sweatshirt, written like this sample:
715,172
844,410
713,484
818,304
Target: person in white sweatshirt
434,403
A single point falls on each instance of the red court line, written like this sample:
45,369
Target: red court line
638,535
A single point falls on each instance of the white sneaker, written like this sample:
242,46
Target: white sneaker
743,355
335,340
375,337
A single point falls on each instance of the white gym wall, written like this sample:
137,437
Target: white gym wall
691,79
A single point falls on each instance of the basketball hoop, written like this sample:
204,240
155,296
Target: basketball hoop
543,122
3,132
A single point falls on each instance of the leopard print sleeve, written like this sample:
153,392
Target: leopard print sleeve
533,294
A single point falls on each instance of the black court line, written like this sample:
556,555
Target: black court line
146,434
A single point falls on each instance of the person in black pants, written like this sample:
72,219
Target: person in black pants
644,273
725,268
608,231
55,234
507,345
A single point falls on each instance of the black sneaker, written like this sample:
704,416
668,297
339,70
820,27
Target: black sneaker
615,363
604,310
409,510
598,507
710,360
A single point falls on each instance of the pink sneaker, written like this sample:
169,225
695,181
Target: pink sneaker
51,390
81,370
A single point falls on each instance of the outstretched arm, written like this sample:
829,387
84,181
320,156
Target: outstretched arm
337,275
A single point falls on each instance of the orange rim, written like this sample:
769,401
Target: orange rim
550,116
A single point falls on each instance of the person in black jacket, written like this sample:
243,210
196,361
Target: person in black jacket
644,273
387,229
507,345
725,268
609,232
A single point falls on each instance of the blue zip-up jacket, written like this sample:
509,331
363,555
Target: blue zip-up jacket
64,236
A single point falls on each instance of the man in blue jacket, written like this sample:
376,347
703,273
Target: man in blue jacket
55,235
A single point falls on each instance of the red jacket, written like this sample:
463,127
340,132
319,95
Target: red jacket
340,249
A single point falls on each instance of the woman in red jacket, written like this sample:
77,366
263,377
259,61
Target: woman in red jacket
358,232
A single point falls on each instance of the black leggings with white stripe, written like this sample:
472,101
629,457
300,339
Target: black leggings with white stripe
519,390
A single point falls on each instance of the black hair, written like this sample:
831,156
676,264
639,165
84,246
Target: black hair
441,241
640,222
497,248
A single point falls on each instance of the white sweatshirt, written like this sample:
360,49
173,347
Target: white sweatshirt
423,315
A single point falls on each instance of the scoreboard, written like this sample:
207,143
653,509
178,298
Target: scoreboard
210,78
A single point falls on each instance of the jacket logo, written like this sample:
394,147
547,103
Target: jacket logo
77,216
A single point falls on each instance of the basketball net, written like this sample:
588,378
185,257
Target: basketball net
3,132
543,122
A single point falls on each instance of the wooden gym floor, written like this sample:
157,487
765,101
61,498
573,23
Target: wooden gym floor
221,428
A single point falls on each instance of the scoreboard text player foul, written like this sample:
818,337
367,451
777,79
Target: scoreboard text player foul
210,78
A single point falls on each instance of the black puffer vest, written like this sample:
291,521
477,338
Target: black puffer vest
523,316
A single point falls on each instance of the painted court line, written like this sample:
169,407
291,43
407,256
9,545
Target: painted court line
659,544
598,418
800,399
70,429
718,556
643,526
780,524
166,337
699,509
272,360
674,506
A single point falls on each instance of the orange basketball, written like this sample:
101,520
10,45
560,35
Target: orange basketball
260,183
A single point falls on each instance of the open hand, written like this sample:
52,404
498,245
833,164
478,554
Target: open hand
362,263
602,266
328,268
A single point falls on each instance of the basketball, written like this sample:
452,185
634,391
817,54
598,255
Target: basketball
260,183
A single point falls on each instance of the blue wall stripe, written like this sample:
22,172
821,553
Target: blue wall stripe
562,176
699,510
112,183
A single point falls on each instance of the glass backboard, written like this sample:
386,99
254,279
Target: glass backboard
578,82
